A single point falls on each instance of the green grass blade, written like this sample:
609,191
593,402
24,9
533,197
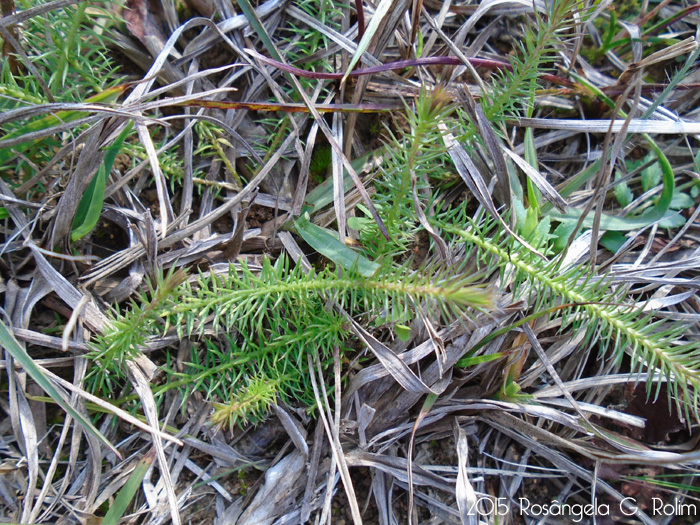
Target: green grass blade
479,359
256,24
612,223
129,490
8,341
90,207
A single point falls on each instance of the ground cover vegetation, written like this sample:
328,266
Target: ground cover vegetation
376,262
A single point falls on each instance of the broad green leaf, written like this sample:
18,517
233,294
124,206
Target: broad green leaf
623,193
530,223
681,201
329,246
520,215
562,233
541,234
651,176
673,220
357,223
8,341
403,332
613,241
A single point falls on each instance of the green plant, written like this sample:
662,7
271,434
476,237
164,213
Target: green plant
534,330
411,160
651,176
305,42
265,324
615,39
592,305
65,62
41,377
512,90
255,328
129,331
320,162
212,144
90,207
66,49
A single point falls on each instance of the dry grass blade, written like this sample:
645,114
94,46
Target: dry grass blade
486,6
89,162
548,191
295,431
141,383
42,378
398,468
66,291
201,43
338,183
337,150
259,300
53,467
112,409
466,497
31,451
475,182
334,440
166,211
393,365
273,498
616,126
519,431
476,113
